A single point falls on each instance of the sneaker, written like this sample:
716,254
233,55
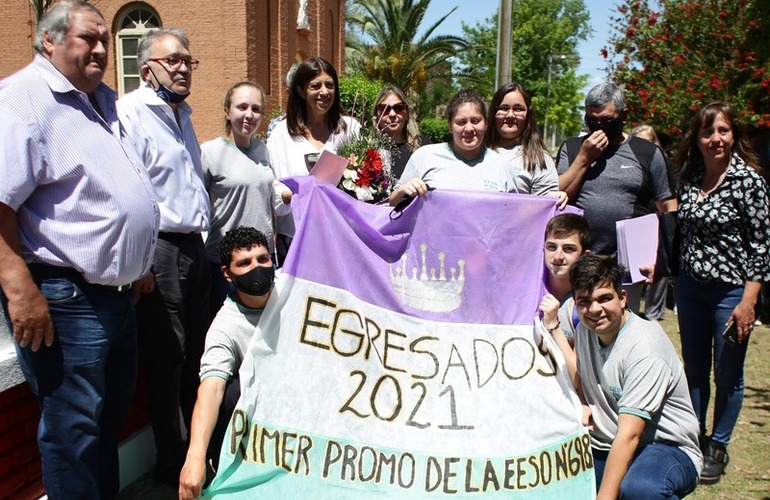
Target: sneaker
715,459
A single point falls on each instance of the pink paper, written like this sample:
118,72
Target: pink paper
329,168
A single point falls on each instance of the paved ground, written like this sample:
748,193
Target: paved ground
147,488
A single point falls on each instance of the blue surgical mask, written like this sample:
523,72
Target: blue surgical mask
165,93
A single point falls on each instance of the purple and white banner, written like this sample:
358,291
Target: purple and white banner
400,356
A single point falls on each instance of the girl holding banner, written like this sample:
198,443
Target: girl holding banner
465,163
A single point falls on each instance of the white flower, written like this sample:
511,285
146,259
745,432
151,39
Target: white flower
363,193
385,155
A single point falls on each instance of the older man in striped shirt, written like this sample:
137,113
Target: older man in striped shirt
78,225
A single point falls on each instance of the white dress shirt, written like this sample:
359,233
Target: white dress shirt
288,157
172,157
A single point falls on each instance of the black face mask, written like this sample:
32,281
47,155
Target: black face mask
165,93
612,128
256,282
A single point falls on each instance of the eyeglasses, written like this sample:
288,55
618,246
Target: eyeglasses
516,110
384,109
174,63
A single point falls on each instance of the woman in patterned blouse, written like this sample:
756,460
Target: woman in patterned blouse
723,214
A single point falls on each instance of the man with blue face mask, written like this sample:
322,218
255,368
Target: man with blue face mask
612,176
173,319
246,263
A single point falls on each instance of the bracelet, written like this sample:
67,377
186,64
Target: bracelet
551,330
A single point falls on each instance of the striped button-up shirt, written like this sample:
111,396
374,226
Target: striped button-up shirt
82,198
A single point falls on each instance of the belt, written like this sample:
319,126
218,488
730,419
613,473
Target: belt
45,271
164,235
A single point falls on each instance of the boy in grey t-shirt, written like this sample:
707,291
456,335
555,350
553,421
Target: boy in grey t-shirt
566,239
644,435
246,263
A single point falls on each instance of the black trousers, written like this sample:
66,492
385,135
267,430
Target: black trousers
172,323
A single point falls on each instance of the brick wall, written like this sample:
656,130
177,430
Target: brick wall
20,476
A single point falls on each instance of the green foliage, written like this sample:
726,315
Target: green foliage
690,53
384,43
435,129
357,93
545,38
432,102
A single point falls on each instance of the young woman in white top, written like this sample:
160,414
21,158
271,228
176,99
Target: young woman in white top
465,163
242,187
513,133
314,122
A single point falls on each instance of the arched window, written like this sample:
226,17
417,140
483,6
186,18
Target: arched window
136,20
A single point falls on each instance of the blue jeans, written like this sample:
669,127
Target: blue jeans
84,384
704,308
659,470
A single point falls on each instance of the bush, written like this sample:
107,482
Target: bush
435,129
357,93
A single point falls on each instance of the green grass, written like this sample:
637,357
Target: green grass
748,474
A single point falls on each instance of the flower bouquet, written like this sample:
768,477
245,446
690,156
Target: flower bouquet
368,176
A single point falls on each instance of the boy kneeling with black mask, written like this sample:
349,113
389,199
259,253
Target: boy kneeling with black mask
246,263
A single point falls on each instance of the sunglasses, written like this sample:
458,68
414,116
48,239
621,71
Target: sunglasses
384,109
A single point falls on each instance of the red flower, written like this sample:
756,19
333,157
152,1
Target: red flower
370,172
604,53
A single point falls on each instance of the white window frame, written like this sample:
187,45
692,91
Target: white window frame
130,28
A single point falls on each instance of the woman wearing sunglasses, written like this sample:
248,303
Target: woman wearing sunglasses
514,134
391,117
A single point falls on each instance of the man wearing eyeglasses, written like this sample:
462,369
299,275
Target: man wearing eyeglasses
173,318
611,175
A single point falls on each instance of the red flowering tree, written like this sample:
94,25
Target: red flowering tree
688,53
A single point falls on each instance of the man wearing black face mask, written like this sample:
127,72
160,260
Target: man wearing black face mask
172,319
604,174
246,263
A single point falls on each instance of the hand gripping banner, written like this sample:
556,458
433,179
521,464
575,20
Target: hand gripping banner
399,357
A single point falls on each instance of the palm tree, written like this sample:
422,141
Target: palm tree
389,48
